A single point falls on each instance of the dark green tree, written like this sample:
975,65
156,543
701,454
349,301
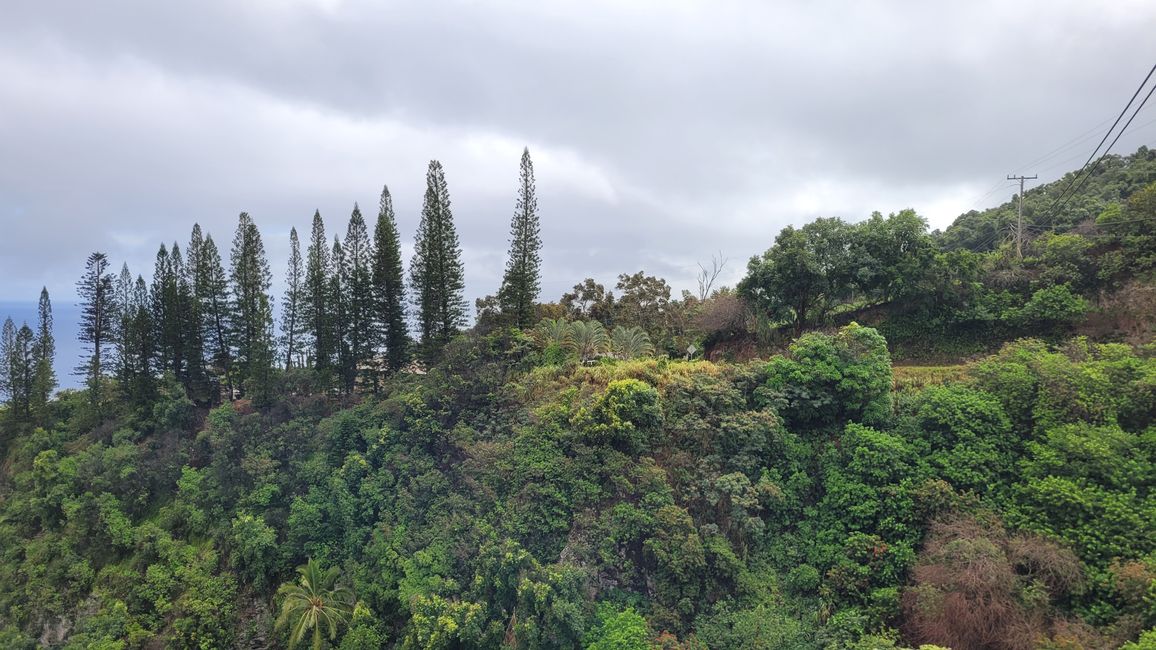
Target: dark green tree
805,273
252,310
436,272
18,366
360,323
338,319
97,322
292,325
21,371
389,286
135,336
165,296
7,350
589,300
43,353
211,291
315,307
189,340
522,281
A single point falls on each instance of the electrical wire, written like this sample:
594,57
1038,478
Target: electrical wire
1106,135
1052,213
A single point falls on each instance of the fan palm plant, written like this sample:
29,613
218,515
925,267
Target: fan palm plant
314,601
630,342
588,339
551,332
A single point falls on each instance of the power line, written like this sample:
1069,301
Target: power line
1105,154
1086,135
1105,138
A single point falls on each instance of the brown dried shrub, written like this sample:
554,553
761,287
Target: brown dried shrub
976,587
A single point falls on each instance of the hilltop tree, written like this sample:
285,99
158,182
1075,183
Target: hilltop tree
16,368
522,280
21,366
189,340
43,354
803,274
589,299
252,309
194,252
359,314
166,314
123,288
315,306
135,340
211,291
389,286
436,272
7,344
292,327
97,319
338,300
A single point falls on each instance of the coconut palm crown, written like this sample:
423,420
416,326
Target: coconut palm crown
312,602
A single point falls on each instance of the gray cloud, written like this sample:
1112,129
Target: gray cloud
661,132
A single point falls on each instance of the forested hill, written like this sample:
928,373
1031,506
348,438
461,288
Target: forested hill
1058,206
626,469
513,497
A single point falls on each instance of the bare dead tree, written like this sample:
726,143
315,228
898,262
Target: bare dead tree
707,276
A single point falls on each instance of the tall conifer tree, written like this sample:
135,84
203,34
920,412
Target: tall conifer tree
135,335
166,314
361,324
436,272
389,286
7,351
21,370
142,383
212,294
292,326
124,296
338,321
252,310
190,339
522,280
97,319
315,301
44,353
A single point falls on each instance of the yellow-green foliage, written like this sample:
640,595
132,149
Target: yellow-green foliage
914,378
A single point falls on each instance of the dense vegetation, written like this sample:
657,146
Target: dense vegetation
558,476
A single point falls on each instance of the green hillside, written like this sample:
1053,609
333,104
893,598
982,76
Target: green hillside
881,438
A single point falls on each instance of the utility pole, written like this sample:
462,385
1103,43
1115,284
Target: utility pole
1020,214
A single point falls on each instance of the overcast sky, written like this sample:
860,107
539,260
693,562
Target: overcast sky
661,131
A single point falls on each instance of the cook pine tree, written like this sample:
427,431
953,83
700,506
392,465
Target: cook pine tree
252,311
211,293
337,324
315,306
522,280
361,326
136,333
17,367
43,355
97,319
389,287
436,274
292,324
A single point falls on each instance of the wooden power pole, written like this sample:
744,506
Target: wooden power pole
1020,214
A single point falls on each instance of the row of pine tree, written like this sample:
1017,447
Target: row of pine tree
345,314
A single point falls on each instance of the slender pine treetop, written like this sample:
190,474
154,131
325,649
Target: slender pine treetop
522,281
